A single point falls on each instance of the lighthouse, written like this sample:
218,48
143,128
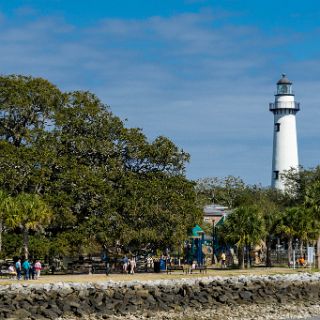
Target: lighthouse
285,145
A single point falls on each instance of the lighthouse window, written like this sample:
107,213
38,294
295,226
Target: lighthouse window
276,175
284,88
277,127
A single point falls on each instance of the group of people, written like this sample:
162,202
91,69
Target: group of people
129,265
30,270
300,262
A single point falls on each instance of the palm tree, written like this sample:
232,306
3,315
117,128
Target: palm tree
288,226
312,204
307,227
4,211
271,218
244,227
28,212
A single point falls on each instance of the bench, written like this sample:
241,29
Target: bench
7,274
100,269
174,268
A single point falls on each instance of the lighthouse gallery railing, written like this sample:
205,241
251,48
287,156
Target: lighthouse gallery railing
284,105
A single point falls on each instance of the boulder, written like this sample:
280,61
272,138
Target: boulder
246,295
20,314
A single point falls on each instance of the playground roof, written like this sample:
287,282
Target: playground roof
196,231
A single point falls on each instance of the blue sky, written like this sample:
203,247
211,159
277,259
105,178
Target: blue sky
200,72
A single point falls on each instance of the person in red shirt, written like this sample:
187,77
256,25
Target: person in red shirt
37,268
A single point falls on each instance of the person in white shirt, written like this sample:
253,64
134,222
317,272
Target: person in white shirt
133,265
12,272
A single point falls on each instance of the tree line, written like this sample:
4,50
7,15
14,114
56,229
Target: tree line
75,179
263,214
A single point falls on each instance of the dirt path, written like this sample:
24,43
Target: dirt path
150,276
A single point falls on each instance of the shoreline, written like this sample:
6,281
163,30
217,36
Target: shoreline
244,297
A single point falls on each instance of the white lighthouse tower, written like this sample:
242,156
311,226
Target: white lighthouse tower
285,145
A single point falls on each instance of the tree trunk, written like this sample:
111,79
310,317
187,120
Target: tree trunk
26,243
241,257
248,256
268,253
289,251
301,248
318,253
213,260
1,227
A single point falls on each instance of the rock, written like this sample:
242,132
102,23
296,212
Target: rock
131,299
142,293
183,292
117,295
79,312
38,317
50,314
65,292
148,314
168,298
151,299
222,298
245,295
99,297
5,313
135,300
281,298
21,314
55,309
73,304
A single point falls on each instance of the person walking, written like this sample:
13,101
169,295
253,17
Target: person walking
18,269
37,268
26,269
133,265
32,271
125,264
107,264
223,260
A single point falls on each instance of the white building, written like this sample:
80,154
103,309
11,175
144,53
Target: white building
285,145
214,213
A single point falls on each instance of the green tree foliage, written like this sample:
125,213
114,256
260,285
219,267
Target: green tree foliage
27,106
104,183
303,191
244,227
312,199
266,201
289,227
312,208
297,181
4,212
12,244
28,212
290,215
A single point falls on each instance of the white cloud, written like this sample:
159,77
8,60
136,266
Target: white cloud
205,85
